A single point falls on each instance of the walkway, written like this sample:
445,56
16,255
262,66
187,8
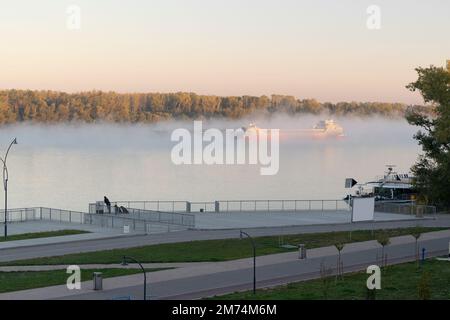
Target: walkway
54,249
200,280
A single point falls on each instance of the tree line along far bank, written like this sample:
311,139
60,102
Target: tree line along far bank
52,107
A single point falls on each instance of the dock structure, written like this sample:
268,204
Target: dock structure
152,217
232,214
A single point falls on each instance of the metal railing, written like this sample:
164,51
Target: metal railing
19,215
282,205
237,205
103,220
115,222
405,208
42,213
157,205
167,218
181,219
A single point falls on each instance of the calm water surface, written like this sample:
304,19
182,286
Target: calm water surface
68,166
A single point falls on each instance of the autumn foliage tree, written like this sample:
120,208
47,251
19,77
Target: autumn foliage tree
432,169
94,106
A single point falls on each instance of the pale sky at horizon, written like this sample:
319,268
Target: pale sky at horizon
309,49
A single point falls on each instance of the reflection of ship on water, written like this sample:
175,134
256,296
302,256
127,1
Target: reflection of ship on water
323,129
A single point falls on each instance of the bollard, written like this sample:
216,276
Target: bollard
301,251
423,255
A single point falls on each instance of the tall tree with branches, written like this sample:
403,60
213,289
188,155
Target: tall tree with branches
432,169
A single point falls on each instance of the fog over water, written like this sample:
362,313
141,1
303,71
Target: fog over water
68,166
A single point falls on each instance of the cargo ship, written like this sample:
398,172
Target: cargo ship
323,129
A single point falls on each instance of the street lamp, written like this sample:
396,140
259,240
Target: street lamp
254,257
5,183
125,263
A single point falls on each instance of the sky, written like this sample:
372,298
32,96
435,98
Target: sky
319,49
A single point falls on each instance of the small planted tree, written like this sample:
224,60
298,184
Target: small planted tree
384,240
340,265
423,288
325,278
416,233
370,294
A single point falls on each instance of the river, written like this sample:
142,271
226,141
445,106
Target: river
68,166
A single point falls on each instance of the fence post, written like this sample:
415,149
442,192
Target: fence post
216,206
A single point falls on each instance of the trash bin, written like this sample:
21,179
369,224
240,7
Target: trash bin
98,281
301,251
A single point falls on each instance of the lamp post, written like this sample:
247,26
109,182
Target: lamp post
5,183
242,233
125,263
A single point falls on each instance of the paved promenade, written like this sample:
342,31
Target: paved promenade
49,248
192,281
258,219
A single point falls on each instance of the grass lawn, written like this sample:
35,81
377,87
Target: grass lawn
45,234
214,250
15,281
397,282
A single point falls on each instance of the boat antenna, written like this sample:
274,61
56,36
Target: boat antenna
390,168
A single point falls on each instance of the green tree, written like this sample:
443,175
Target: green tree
432,169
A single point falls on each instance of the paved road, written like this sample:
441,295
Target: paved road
217,283
49,250
223,277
